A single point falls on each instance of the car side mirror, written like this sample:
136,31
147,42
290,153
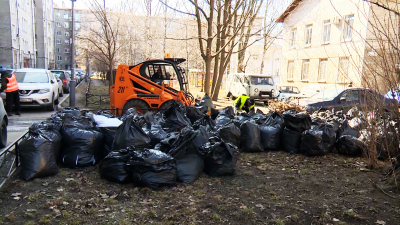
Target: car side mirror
342,99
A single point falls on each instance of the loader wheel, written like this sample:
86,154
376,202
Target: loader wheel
140,106
167,104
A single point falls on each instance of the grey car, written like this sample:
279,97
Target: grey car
64,77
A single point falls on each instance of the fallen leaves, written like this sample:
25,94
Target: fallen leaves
16,196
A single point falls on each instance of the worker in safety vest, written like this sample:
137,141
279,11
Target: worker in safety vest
10,85
245,103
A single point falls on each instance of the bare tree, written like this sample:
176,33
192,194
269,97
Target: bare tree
103,35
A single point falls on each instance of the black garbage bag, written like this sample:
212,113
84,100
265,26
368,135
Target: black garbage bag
219,158
345,129
291,140
109,134
37,156
207,101
156,134
202,136
230,133
82,147
250,138
50,130
225,116
166,144
349,145
205,121
195,113
152,168
79,122
271,136
243,117
130,134
189,164
274,118
175,120
56,121
214,113
312,144
258,117
298,122
76,112
113,166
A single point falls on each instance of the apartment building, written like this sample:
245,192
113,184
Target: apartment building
17,36
44,33
324,42
63,35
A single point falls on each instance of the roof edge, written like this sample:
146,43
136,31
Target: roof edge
288,10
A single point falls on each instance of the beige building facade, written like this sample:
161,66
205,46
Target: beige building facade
324,42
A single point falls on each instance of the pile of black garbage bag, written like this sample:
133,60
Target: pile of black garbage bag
182,142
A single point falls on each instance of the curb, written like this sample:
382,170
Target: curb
67,97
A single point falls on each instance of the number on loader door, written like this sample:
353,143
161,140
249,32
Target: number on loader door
121,90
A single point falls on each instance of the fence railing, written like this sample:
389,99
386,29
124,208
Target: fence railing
9,161
96,99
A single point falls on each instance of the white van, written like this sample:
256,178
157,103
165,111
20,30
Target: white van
257,86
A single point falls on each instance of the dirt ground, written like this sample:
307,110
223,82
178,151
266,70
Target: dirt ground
268,188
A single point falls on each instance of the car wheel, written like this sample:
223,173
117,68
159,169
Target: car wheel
52,106
3,134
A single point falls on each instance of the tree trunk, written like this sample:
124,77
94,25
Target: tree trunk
222,66
217,48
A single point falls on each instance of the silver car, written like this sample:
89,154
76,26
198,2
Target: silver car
37,88
3,126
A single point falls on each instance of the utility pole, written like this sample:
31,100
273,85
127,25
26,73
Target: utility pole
72,82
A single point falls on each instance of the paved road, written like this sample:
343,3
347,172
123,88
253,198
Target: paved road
18,125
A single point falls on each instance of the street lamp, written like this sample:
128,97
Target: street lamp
72,82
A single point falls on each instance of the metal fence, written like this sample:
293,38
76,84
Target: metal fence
96,99
9,161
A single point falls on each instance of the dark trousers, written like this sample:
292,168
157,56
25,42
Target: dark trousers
12,97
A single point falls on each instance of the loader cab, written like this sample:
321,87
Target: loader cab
167,72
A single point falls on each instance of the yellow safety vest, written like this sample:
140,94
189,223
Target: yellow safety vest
242,100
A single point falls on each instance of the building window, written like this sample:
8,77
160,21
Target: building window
293,38
66,24
348,27
343,70
58,41
66,33
77,17
66,50
308,35
58,33
77,26
290,70
58,24
59,58
66,42
66,16
322,70
305,70
58,50
326,36
67,59
58,15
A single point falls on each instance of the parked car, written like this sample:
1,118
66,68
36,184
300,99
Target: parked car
344,99
310,90
3,127
64,77
257,86
287,91
37,88
75,77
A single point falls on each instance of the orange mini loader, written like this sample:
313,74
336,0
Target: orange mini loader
150,85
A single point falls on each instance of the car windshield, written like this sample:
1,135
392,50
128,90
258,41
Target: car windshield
261,81
288,89
32,77
57,73
328,95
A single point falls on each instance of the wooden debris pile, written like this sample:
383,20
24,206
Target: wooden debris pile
282,106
